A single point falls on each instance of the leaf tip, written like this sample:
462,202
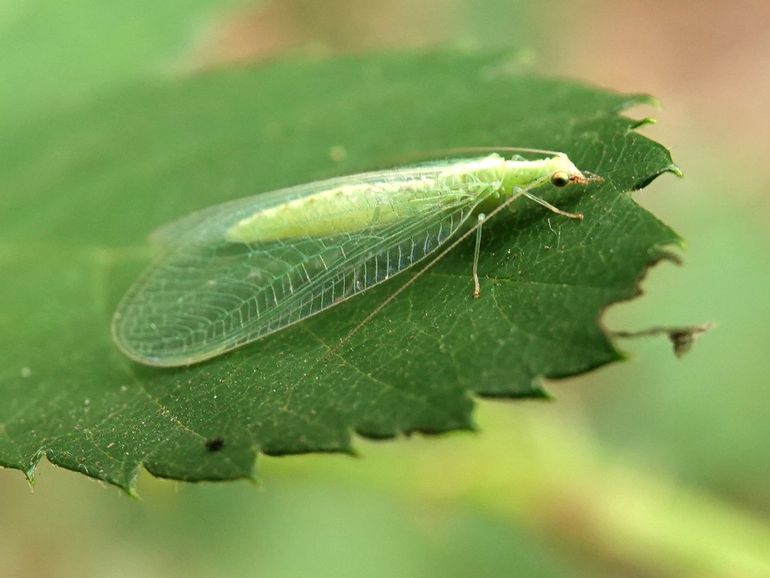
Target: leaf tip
31,469
30,475
131,492
674,169
619,354
646,121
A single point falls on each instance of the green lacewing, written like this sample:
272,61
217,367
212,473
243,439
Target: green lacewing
242,270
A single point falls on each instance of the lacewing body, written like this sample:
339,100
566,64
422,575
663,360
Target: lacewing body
239,271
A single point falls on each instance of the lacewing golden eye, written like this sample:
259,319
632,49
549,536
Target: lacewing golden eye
239,271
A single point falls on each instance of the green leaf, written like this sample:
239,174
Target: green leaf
84,189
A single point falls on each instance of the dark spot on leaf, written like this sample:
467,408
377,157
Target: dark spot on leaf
215,444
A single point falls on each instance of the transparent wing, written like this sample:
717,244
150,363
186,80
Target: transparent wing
207,295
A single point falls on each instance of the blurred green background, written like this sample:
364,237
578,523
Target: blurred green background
655,467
